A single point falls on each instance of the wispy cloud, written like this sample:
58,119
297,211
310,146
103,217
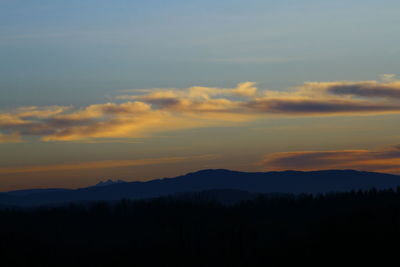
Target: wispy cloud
385,160
389,89
302,107
10,138
145,112
103,164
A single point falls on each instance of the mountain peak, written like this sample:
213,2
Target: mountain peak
109,182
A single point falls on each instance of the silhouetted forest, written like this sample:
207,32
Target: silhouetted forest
357,228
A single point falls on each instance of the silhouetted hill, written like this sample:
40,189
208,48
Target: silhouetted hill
109,182
27,192
294,182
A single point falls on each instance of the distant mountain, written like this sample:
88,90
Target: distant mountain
110,182
27,192
294,182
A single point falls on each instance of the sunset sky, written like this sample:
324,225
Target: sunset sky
137,90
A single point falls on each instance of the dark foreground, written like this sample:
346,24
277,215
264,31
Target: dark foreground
333,230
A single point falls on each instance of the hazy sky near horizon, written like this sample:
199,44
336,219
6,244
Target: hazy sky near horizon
136,90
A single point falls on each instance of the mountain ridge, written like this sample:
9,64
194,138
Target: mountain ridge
293,182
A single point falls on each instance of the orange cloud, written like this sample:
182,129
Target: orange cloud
104,164
246,89
40,112
10,138
152,111
386,160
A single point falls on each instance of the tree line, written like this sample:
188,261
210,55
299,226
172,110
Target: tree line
358,227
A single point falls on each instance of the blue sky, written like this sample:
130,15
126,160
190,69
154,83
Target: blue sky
83,57
78,52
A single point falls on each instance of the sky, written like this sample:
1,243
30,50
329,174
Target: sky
137,90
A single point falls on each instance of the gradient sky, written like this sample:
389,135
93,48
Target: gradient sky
136,90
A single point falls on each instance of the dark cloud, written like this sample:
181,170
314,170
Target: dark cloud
323,106
370,89
386,160
173,109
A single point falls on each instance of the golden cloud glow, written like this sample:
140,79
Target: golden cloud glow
40,112
146,112
104,164
10,138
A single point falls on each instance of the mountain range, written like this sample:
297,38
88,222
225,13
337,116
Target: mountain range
221,184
